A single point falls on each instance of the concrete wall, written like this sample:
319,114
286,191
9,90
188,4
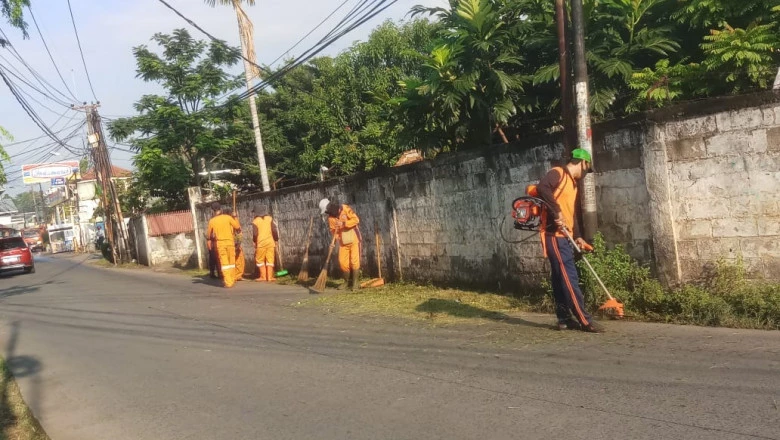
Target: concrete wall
443,220
678,187
724,171
176,250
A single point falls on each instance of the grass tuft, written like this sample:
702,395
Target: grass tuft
16,420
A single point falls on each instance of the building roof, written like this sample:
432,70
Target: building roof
7,206
116,173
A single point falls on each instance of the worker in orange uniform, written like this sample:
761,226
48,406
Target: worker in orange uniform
558,188
265,234
222,229
343,222
240,259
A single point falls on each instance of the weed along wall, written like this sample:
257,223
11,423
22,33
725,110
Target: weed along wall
669,189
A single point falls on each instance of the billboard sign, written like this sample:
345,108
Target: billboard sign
58,181
45,172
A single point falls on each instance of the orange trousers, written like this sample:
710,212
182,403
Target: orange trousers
227,260
349,256
264,258
240,264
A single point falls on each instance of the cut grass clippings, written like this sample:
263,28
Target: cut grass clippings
443,306
16,420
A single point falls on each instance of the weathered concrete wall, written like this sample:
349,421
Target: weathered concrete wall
176,249
724,171
443,220
678,187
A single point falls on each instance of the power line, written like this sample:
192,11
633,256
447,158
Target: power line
376,7
19,76
50,55
83,61
11,144
38,77
310,32
29,110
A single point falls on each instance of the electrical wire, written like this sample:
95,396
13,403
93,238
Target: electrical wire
376,7
38,77
46,46
29,110
310,32
20,77
83,61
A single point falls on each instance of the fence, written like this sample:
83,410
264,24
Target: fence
165,239
168,223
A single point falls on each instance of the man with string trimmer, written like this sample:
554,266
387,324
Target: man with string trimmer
558,189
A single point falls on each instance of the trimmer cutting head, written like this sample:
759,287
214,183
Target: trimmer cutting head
612,308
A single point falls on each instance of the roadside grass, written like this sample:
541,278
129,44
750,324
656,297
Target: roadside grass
439,305
16,420
724,297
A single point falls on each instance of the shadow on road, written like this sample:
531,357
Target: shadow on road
435,306
16,367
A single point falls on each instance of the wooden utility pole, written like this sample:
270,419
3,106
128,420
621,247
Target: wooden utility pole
102,165
564,57
584,135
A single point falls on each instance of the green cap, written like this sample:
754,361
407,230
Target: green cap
579,153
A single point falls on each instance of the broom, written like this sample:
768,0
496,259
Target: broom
303,275
319,285
376,282
611,307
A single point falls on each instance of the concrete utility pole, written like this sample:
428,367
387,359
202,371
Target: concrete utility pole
246,34
584,135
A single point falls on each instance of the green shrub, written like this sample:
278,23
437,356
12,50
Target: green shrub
107,252
726,297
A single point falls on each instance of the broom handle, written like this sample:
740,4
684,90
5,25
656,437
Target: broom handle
378,253
330,250
308,237
587,263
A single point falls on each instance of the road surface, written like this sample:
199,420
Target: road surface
127,354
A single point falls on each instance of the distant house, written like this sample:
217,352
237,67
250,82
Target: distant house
86,189
7,210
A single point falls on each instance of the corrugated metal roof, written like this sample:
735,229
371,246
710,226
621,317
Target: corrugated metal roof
7,206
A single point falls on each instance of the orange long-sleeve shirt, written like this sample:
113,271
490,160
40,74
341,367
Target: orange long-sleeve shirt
223,228
349,221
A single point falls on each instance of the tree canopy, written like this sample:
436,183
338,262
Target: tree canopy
175,134
476,73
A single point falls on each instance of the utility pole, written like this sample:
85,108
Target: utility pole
102,165
564,56
584,135
245,30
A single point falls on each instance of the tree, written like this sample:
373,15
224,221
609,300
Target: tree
25,202
333,111
4,156
176,132
13,11
470,87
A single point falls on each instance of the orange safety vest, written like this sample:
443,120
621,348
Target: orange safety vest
566,196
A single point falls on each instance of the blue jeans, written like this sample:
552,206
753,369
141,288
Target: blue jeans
565,281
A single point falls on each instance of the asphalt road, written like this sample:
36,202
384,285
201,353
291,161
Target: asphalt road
122,354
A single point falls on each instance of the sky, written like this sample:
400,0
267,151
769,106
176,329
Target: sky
109,29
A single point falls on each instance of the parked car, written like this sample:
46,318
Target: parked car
34,239
15,255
